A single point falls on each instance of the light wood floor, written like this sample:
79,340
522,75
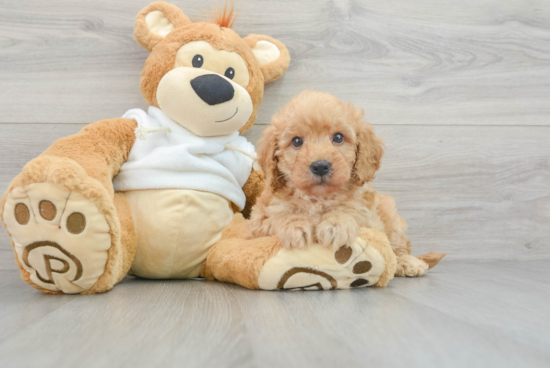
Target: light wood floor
460,92
463,314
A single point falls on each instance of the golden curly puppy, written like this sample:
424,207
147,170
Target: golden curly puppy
319,158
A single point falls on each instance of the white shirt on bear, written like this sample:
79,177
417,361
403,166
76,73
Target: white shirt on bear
181,160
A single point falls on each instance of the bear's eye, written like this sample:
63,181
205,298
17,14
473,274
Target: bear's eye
197,62
338,138
297,142
230,73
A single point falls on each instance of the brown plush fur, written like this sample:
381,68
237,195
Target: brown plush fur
128,236
301,208
163,56
87,162
99,148
239,260
380,241
141,33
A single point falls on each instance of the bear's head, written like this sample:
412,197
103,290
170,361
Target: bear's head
203,75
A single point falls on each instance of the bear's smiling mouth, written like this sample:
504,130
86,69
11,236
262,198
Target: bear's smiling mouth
232,116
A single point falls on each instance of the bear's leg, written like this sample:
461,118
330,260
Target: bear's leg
71,233
68,234
262,263
128,237
236,259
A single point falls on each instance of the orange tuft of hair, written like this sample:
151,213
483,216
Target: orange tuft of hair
224,18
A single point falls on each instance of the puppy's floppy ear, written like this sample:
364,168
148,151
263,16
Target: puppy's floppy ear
272,55
155,21
267,159
370,150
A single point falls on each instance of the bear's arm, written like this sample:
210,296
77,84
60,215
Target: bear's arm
100,148
252,189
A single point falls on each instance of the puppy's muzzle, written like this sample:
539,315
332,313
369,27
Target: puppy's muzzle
213,89
320,168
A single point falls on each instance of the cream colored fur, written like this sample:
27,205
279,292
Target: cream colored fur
301,208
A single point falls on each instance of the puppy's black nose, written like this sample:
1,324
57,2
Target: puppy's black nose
213,89
320,168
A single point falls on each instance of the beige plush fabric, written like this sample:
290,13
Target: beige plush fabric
193,116
271,69
213,60
175,229
68,175
318,268
265,52
158,24
86,163
75,252
262,263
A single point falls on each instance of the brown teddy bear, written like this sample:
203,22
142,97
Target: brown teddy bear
102,203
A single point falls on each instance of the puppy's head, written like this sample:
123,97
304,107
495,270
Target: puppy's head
320,145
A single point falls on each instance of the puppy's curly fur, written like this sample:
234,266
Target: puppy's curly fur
302,207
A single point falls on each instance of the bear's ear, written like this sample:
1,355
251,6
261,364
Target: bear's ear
271,54
154,22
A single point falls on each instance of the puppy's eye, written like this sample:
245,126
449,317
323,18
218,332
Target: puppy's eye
338,138
297,142
197,62
230,73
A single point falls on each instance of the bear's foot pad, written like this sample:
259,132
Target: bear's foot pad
60,238
320,268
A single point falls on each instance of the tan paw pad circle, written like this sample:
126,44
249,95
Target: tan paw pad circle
359,282
47,210
362,267
343,254
76,223
22,213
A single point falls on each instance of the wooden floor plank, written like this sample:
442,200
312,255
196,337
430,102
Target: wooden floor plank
140,324
7,259
376,327
417,322
484,294
22,305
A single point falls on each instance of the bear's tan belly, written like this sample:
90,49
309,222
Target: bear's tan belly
176,229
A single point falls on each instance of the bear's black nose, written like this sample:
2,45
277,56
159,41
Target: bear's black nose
320,168
213,89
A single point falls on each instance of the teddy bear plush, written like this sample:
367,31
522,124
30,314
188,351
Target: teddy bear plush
157,193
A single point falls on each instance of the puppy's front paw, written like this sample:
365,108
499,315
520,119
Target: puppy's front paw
330,232
296,234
